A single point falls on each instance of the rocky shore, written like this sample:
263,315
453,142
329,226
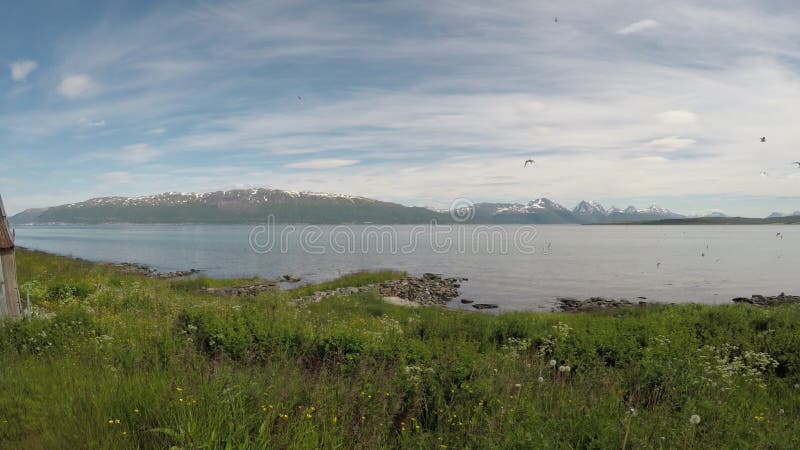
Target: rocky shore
594,304
147,271
248,290
761,300
430,289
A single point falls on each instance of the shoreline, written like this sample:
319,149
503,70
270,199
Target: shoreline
427,290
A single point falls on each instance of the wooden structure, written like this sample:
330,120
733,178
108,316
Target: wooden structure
10,304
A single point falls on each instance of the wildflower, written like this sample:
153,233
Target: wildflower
116,421
695,419
179,389
633,412
552,363
308,416
518,385
111,421
564,369
334,419
136,410
541,379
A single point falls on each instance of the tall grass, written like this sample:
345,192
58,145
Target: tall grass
128,362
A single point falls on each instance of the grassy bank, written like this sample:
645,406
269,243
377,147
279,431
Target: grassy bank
122,361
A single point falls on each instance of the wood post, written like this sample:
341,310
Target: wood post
10,305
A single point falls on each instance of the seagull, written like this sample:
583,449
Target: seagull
529,161
798,163
658,264
299,98
556,20
779,235
763,139
703,254
764,173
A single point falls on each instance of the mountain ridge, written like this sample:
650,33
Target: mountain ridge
254,205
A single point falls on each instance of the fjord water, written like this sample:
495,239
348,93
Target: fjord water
704,264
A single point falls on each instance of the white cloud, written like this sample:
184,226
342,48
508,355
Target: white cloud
21,69
75,86
677,117
116,177
139,153
638,26
156,131
83,121
671,143
322,164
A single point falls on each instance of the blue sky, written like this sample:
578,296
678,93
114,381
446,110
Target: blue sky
421,102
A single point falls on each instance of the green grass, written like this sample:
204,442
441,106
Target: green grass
127,362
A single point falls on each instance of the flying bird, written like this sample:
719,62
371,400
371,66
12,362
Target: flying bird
658,264
764,173
299,98
763,139
556,20
779,235
798,163
529,161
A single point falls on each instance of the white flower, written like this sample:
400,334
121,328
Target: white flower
695,419
541,380
564,369
633,412
553,363
517,385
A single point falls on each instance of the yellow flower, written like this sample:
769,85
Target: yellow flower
308,416
179,389
135,410
116,421
111,421
334,419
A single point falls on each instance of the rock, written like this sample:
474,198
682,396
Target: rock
291,278
761,300
250,290
400,302
484,306
594,304
431,289
467,301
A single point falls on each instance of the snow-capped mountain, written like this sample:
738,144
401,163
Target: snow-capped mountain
232,206
255,205
590,212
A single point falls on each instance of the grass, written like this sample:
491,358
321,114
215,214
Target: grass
122,361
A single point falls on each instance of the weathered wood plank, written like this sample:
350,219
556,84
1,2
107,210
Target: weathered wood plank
6,238
9,292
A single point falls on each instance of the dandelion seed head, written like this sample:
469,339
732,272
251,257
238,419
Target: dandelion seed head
695,419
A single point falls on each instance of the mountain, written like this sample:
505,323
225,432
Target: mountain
255,205
541,210
590,212
631,214
234,206
775,215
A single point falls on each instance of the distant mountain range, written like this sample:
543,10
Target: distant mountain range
254,205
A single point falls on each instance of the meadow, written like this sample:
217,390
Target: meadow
119,361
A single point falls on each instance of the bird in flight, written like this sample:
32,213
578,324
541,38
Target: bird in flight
658,264
556,20
763,139
779,235
299,98
529,161
797,162
764,173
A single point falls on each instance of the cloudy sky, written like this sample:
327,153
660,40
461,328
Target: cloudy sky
420,102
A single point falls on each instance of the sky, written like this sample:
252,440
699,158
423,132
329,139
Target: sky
416,101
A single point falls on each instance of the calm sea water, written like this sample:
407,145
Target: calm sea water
517,267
